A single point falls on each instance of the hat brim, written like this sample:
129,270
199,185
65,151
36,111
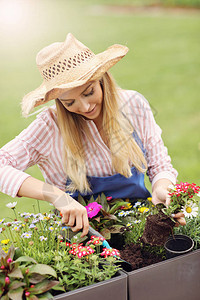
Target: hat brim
102,63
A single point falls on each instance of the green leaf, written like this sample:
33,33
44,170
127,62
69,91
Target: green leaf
103,201
36,278
81,200
5,297
16,273
16,294
45,296
58,287
117,205
160,206
91,199
26,259
16,284
43,286
106,233
108,215
43,270
17,254
33,297
115,228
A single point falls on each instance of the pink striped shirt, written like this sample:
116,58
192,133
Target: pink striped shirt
41,143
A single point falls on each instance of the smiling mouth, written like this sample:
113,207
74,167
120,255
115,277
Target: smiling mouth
89,112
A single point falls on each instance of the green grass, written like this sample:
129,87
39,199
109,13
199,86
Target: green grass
163,64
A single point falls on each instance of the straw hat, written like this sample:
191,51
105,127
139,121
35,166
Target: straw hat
66,65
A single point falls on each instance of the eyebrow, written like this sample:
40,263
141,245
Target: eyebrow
81,93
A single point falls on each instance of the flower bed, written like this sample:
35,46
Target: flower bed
37,261
46,260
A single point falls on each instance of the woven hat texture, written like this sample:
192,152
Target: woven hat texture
66,65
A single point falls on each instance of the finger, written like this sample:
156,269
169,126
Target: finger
181,221
85,225
78,225
178,215
71,221
168,200
65,217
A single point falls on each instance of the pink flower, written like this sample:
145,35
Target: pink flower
109,198
110,252
93,209
9,260
7,280
27,294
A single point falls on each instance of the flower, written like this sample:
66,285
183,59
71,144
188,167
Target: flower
51,228
190,210
110,252
1,221
138,203
42,238
26,235
143,209
126,206
11,205
5,242
93,209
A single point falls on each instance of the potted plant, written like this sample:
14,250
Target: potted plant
174,278
103,215
80,269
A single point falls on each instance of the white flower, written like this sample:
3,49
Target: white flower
198,194
11,205
42,238
26,235
190,210
1,221
138,203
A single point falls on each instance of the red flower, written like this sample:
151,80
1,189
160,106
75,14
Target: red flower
110,252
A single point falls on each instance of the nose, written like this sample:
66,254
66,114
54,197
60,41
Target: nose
84,106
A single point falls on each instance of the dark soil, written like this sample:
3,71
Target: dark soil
157,229
138,257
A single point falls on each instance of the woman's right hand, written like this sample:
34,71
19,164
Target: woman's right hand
73,213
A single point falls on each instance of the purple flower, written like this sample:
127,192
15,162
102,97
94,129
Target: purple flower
93,209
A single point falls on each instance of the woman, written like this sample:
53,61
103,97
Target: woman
98,137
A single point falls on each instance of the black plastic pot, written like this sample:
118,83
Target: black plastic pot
178,244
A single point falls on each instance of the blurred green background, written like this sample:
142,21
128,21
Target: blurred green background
163,64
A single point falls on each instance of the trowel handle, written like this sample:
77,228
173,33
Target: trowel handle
92,231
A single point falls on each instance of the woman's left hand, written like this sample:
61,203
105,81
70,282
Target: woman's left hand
160,194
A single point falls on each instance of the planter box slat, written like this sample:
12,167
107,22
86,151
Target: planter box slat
114,288
173,279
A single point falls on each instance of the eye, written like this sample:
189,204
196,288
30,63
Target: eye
70,104
89,93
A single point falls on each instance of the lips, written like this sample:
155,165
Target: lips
89,112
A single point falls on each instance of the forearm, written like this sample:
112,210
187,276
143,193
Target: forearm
37,189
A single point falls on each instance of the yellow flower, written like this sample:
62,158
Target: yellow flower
143,209
5,250
5,242
149,199
127,206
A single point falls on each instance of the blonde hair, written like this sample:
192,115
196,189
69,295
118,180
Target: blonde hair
124,149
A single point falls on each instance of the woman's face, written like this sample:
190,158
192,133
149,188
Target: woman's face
85,100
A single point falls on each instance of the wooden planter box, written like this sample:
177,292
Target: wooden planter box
173,279
111,289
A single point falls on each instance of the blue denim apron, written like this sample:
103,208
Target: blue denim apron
118,186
